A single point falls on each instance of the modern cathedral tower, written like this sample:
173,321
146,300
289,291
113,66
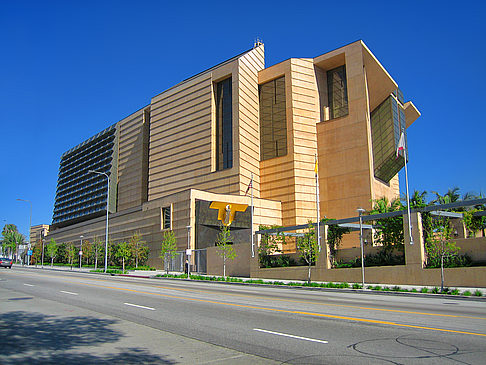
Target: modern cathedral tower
201,141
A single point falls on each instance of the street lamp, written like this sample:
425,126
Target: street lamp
188,251
30,224
361,211
107,211
42,240
81,251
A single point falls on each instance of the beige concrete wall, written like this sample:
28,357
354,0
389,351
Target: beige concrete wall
248,131
474,247
132,159
346,174
183,135
122,226
240,266
290,178
35,232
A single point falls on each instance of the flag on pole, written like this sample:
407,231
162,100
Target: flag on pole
249,186
401,144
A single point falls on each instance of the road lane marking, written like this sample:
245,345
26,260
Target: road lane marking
68,292
28,284
139,306
293,300
365,320
291,336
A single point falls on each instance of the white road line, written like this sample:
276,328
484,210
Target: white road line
68,292
139,306
291,336
28,284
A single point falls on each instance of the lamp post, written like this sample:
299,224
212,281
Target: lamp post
188,251
42,241
81,252
361,211
107,211
30,224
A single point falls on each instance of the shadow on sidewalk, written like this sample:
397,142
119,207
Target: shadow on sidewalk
34,338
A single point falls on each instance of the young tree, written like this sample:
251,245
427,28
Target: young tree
71,254
62,256
138,247
224,248
438,245
51,250
168,248
124,252
87,250
309,250
98,249
269,244
36,253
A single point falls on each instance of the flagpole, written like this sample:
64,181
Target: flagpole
408,196
317,209
252,243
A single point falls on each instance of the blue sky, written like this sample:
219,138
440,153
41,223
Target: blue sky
69,69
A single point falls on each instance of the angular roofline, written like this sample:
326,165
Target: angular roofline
208,70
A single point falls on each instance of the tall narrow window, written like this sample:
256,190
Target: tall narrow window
273,120
166,217
224,125
337,89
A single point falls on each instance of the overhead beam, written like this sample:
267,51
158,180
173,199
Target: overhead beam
447,214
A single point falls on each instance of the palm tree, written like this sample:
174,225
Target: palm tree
418,199
451,196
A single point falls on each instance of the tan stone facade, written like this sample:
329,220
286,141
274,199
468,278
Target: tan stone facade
167,151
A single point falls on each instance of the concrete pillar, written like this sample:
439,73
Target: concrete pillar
414,254
324,262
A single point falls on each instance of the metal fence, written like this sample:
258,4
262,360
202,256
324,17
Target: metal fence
176,263
200,261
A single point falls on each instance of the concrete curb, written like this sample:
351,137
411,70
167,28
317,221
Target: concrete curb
339,290
284,286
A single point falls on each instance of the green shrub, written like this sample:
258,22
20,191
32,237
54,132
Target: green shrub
454,292
435,290
357,286
424,290
467,293
478,293
414,290
110,271
452,260
381,258
255,281
142,268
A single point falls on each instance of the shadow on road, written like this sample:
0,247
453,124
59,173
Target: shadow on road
34,338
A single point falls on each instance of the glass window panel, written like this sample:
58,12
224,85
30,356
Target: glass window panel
273,120
224,124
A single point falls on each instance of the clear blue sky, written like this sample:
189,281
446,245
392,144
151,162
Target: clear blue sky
69,69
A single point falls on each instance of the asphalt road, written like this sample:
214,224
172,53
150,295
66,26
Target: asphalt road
85,318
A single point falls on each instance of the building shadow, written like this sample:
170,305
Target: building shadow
35,338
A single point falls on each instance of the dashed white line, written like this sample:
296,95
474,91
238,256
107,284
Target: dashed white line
68,292
291,336
139,306
28,284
